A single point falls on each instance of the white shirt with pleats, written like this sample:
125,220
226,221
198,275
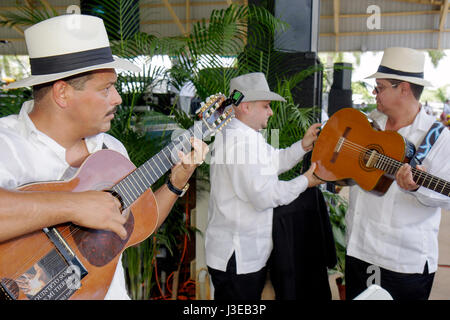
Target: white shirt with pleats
244,190
399,230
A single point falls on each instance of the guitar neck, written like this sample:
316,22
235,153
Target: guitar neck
422,178
140,180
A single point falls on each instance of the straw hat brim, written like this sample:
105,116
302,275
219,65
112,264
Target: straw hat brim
253,95
40,79
418,81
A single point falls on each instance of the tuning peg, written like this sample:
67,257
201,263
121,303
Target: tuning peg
202,107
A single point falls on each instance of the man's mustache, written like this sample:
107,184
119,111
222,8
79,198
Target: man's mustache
112,111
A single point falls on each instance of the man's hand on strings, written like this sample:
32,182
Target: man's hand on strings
183,170
404,177
107,208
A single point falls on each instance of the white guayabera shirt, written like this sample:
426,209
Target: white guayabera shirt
399,230
28,155
244,190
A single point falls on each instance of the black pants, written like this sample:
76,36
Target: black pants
401,286
231,286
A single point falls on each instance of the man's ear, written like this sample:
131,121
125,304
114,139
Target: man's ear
245,107
241,110
405,88
61,93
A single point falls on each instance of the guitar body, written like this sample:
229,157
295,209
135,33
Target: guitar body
348,162
97,250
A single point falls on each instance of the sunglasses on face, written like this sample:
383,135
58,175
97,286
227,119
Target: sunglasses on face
379,89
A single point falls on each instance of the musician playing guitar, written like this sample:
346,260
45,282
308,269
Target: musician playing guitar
393,238
73,78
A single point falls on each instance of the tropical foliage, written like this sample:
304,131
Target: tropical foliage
337,207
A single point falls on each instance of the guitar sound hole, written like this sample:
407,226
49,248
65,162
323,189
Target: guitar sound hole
99,247
364,156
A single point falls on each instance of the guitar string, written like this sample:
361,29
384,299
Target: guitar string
37,256
397,164
358,149
439,183
185,135
384,160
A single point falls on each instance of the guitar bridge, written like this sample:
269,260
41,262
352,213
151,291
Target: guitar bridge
56,276
339,144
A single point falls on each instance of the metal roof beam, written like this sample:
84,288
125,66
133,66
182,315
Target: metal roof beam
16,28
174,16
193,4
370,33
428,2
383,14
336,6
442,19
188,16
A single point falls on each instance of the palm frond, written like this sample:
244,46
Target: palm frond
226,35
27,16
121,17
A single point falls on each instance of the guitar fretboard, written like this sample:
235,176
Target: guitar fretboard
136,183
422,178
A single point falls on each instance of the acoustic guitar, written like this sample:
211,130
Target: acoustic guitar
71,262
349,150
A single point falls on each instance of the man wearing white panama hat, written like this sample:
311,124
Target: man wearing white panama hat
392,240
244,190
73,77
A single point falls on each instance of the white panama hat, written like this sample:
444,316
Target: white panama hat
67,45
254,87
402,64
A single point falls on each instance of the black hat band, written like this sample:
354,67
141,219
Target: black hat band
384,69
70,61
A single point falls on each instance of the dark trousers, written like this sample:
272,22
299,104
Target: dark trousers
401,286
231,286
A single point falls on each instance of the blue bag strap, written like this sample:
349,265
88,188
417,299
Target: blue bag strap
427,143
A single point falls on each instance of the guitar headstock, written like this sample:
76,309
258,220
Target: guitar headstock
217,110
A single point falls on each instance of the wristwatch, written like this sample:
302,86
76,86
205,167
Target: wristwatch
178,192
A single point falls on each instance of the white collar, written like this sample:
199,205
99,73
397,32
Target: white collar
421,121
28,130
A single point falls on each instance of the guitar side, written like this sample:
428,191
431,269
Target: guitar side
97,250
343,148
